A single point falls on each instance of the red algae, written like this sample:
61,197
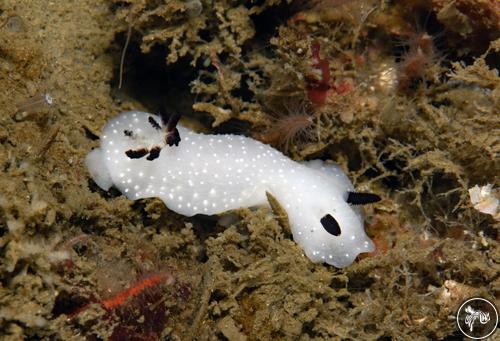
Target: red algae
318,83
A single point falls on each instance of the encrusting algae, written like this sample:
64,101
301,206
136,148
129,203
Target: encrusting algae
403,96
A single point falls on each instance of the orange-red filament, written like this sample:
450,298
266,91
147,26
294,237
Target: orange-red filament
135,290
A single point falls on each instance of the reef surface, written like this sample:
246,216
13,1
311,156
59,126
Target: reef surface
405,96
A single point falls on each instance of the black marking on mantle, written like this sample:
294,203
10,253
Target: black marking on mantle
331,225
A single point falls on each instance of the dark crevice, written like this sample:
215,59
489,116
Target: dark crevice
148,79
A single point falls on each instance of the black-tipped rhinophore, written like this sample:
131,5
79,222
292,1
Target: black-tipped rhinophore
173,137
331,225
360,198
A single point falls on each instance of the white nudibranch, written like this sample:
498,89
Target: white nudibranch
210,174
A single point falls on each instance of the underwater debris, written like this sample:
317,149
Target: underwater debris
136,289
32,105
48,141
485,200
353,12
138,312
451,294
475,23
417,62
132,292
40,100
68,263
193,8
14,23
123,54
222,79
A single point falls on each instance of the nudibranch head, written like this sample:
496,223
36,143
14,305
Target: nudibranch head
140,154
324,223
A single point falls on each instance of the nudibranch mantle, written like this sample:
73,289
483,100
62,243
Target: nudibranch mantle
210,174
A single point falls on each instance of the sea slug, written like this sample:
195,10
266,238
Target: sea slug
144,155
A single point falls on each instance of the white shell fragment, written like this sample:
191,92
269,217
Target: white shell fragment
210,174
485,200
